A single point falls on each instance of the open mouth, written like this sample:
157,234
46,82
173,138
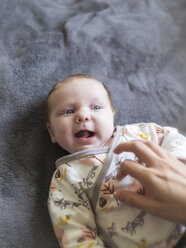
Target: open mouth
84,134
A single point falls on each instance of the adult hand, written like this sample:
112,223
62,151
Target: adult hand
164,178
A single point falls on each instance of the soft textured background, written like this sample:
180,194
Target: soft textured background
136,47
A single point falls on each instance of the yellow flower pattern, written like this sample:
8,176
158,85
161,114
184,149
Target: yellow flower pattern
142,244
145,136
63,222
85,245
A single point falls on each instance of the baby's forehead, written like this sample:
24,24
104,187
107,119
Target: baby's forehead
68,90
78,82
101,93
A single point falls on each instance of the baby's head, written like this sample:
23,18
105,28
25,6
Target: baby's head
79,113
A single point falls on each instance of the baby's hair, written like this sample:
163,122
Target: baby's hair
66,80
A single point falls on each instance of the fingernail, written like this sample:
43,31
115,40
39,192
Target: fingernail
119,175
115,150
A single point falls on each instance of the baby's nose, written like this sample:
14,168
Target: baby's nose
82,117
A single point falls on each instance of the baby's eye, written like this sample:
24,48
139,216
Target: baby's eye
68,112
96,107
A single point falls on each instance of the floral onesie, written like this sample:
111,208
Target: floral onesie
82,203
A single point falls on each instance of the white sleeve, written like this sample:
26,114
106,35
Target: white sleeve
175,143
71,215
167,137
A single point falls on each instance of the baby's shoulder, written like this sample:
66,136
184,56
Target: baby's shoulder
146,131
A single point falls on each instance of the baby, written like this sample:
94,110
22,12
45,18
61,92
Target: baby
82,203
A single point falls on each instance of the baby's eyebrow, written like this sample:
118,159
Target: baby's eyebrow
65,106
62,108
97,101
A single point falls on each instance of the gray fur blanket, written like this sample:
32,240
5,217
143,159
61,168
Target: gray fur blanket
137,48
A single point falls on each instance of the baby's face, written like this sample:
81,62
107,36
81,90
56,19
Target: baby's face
81,116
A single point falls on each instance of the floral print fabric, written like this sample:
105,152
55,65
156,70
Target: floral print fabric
82,203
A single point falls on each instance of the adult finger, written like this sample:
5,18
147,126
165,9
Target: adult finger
142,151
156,149
132,199
162,209
134,169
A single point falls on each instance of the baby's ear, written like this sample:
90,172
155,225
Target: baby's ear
51,132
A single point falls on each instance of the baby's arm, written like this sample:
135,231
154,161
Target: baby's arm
71,215
175,143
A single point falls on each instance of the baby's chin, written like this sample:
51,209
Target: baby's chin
88,147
